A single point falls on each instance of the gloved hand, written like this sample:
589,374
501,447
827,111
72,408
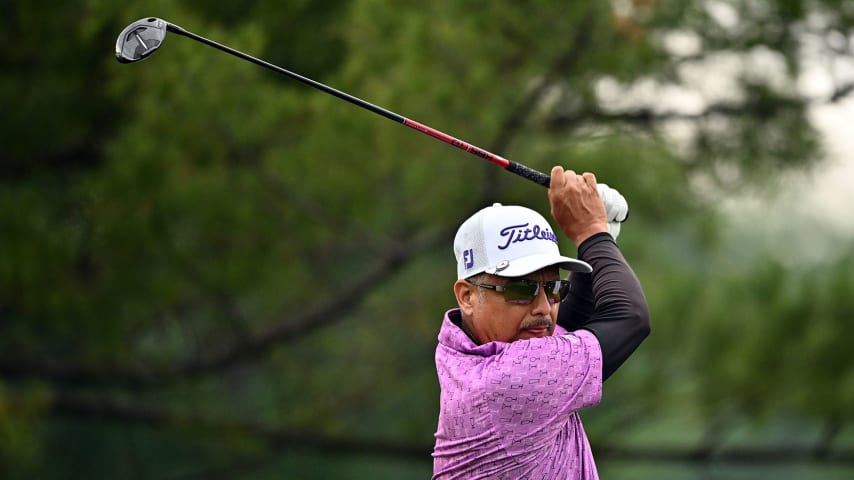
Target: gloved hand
616,208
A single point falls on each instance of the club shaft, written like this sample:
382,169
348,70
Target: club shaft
514,167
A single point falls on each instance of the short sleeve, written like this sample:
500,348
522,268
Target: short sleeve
539,382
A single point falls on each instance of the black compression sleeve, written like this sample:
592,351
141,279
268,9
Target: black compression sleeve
609,302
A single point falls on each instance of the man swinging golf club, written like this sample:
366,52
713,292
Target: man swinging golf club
525,350
516,360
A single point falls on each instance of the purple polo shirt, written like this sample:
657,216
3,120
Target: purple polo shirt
510,410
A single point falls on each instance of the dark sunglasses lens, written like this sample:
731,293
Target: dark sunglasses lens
520,291
556,290
563,290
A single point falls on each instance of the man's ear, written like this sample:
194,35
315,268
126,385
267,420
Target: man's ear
465,293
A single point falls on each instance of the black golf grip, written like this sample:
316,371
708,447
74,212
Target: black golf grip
538,177
529,173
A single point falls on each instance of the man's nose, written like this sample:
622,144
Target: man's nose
541,302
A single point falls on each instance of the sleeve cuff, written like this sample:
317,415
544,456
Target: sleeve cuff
593,240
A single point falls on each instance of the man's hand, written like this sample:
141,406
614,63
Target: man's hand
616,208
576,204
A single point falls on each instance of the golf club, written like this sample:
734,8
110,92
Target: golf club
143,37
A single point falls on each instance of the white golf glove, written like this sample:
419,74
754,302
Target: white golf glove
616,208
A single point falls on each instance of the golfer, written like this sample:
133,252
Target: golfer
525,349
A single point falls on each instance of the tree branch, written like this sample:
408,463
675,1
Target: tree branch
648,116
68,160
126,412
759,109
515,120
840,93
245,350
323,316
278,439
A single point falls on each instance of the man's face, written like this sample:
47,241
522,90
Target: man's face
488,317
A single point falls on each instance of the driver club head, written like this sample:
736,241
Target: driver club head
140,39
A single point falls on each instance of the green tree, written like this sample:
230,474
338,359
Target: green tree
209,271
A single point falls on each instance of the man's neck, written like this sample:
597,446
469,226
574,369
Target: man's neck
460,321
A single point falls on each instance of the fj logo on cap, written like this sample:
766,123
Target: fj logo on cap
468,258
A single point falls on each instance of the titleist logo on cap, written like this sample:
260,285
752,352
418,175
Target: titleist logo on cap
523,233
510,241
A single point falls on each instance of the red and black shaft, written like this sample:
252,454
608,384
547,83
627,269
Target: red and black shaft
514,167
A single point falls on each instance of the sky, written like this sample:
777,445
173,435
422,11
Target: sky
809,220
812,212
830,195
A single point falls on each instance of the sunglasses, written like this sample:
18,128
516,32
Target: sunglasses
523,292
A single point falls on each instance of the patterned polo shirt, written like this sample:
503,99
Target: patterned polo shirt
510,410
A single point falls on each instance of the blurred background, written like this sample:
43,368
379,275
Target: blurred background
208,271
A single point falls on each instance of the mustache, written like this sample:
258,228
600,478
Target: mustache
537,322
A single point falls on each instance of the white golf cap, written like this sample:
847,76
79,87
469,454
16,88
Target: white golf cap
509,241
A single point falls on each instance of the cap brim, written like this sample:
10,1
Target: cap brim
532,263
